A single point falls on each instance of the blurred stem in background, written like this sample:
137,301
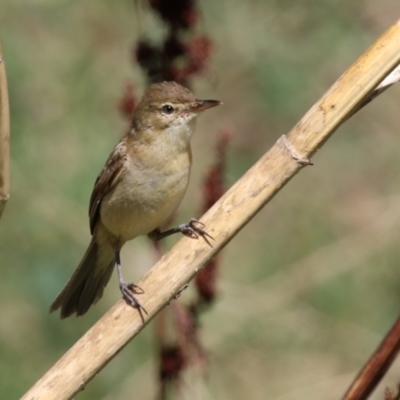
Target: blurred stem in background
4,136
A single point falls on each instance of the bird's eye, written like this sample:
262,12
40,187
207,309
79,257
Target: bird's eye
168,109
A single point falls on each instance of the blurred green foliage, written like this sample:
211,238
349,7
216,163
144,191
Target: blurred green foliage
309,286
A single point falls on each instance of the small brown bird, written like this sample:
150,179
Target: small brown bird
138,190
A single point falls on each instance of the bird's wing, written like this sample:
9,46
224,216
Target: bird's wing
106,180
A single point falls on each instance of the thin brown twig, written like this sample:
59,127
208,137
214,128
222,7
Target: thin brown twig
4,136
376,367
224,220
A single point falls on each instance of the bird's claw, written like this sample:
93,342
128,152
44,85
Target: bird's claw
128,291
194,229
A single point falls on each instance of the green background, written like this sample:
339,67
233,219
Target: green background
306,290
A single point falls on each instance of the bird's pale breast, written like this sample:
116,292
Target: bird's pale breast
146,196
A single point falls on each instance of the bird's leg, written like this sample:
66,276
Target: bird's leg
193,229
128,290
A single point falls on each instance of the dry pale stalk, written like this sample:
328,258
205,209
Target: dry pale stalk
4,136
112,332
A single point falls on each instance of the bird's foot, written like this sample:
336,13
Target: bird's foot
128,291
195,229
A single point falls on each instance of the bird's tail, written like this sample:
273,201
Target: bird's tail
88,281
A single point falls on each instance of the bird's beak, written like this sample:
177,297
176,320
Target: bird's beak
202,105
